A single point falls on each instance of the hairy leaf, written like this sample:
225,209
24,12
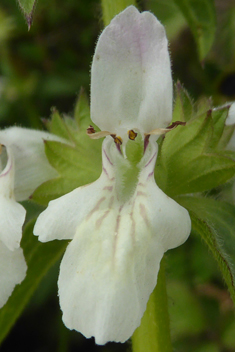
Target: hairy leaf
214,221
79,161
190,160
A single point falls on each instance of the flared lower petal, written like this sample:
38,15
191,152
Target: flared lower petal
103,290
12,271
110,268
63,215
61,218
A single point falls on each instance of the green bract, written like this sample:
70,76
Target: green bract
191,158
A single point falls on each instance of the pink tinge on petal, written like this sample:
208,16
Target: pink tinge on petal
131,83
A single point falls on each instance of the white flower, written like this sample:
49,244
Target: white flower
31,165
23,167
12,215
122,224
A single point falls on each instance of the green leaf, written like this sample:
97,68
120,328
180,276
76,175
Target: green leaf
57,126
219,117
75,166
189,160
201,17
82,110
187,315
183,107
214,221
54,188
39,257
78,162
27,7
226,136
153,334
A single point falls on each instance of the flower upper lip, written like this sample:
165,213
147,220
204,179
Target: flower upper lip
131,83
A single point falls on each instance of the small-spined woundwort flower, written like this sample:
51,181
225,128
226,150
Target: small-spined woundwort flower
122,224
23,167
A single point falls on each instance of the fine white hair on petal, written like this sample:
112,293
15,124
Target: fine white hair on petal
131,83
231,115
12,271
31,165
110,268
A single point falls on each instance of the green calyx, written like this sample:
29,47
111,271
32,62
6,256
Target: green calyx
128,168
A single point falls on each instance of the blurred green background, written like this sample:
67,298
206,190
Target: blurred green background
46,67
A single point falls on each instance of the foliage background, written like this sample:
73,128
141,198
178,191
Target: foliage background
46,67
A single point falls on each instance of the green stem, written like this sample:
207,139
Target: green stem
153,335
111,8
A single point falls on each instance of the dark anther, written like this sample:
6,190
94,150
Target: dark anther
175,124
118,140
132,135
90,130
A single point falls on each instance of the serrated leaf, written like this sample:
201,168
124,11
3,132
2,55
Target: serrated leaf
188,161
201,17
39,257
219,117
82,109
75,166
204,173
226,136
214,221
27,7
183,107
70,161
178,148
57,126
77,163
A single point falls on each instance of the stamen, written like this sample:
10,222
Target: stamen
117,139
96,135
160,131
175,124
90,130
118,142
132,135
